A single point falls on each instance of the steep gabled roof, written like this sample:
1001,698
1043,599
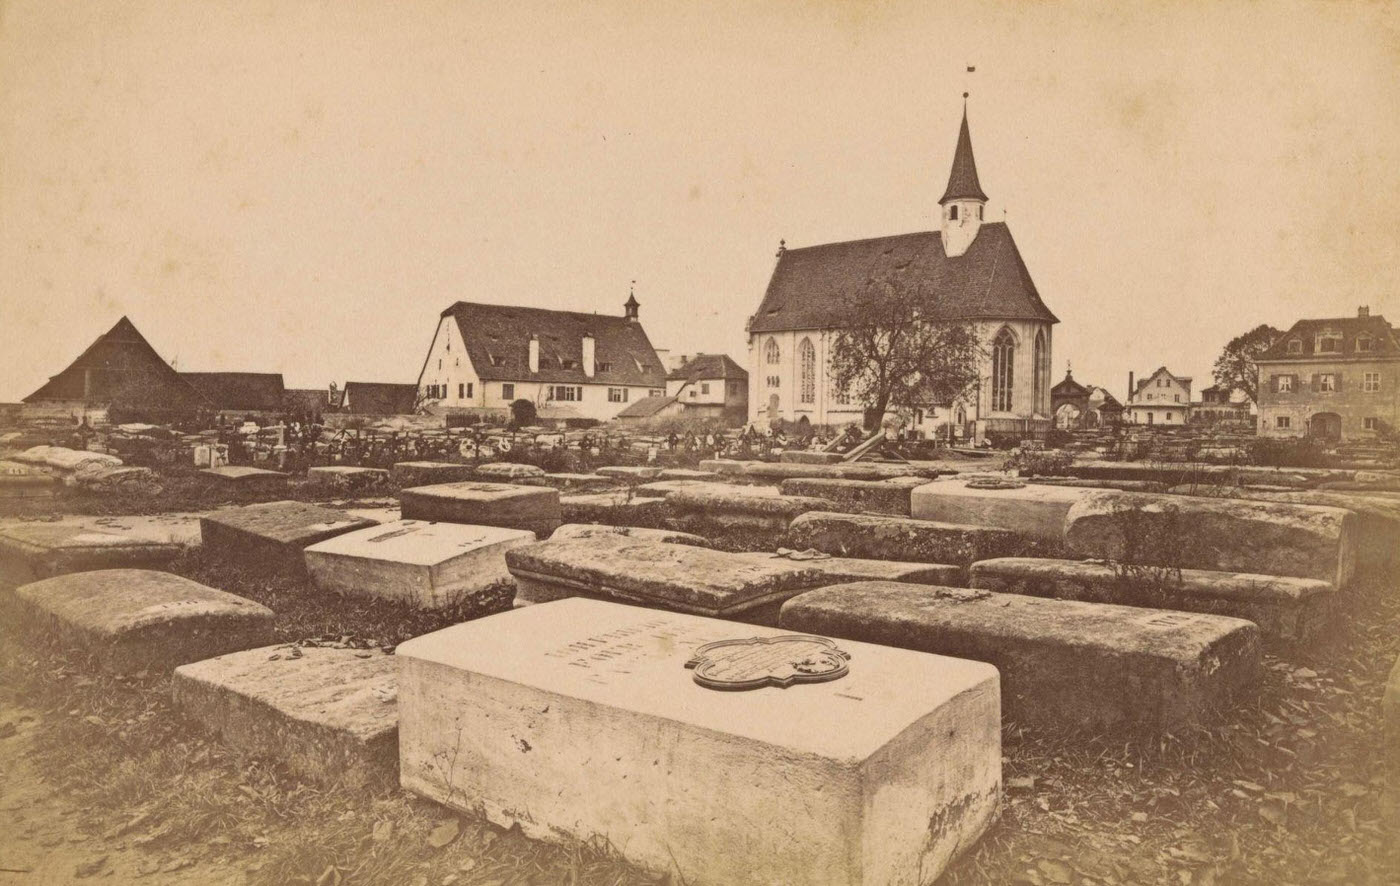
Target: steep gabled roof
1107,400
812,287
1069,387
708,366
257,391
498,342
646,407
1183,380
962,179
120,366
380,398
1382,335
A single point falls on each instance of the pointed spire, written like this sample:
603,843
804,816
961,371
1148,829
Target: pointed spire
962,181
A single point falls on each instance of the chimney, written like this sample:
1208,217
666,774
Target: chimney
534,353
1130,386
1363,311
588,354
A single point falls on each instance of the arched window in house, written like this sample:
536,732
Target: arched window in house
1042,371
807,363
770,351
1003,374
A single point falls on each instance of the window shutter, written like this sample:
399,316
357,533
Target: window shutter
1337,381
1273,384
1295,383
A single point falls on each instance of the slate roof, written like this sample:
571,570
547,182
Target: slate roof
120,366
707,366
1068,387
812,286
646,407
498,342
1383,336
962,179
258,391
380,398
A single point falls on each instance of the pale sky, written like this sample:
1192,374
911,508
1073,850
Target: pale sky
274,185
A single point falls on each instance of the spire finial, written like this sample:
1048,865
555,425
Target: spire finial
782,247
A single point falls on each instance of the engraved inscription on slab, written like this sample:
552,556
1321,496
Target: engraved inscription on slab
768,661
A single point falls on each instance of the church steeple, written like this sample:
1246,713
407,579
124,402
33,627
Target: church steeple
963,200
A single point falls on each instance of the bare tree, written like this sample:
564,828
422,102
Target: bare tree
893,354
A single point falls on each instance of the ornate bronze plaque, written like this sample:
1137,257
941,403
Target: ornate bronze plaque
768,661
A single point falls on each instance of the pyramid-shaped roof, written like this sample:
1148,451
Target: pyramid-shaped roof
120,366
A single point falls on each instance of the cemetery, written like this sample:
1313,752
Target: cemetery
713,671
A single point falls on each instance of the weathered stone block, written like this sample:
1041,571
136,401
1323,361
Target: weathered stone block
809,457
580,719
900,538
503,470
131,620
1230,535
272,535
837,570
1284,608
24,481
596,530
681,578
32,551
617,508
748,506
329,714
663,488
245,476
535,508
1036,511
859,496
628,472
579,481
348,478
685,474
422,473
1063,663
722,466
432,565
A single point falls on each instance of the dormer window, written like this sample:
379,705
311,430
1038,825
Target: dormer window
1295,346
1329,343
568,364
1365,343
605,367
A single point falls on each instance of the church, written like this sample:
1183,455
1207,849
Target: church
974,274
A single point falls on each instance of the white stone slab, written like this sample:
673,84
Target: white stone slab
579,719
433,565
1037,511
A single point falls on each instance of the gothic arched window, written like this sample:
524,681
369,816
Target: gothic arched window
807,362
770,351
1003,374
1042,371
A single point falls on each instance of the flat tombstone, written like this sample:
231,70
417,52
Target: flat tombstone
273,534
681,578
597,530
329,714
584,719
859,496
836,570
1063,663
629,472
534,508
133,619
882,537
579,481
504,470
23,481
419,473
347,476
432,565
1036,511
613,508
685,474
1283,607
245,477
33,551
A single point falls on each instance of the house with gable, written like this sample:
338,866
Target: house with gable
571,365
973,273
1160,398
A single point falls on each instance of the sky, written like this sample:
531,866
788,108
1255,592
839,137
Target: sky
302,187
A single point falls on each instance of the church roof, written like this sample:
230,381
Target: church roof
811,287
120,365
962,180
498,342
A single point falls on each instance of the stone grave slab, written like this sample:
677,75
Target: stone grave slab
347,477
580,719
881,537
663,488
681,578
422,473
33,551
774,472
1390,713
686,474
330,714
1283,608
634,473
504,470
1234,535
25,481
130,620
431,565
244,476
742,507
810,457
1036,511
598,530
618,507
534,508
837,570
272,535
859,496
1063,663
579,481
723,466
